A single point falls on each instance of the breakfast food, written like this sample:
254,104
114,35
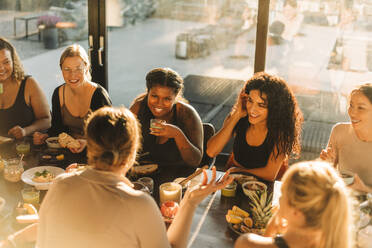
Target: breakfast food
241,222
43,177
145,169
66,141
169,209
60,157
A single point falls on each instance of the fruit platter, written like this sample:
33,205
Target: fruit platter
254,219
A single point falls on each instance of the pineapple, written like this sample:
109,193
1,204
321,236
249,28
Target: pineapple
261,208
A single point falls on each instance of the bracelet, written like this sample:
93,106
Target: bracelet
10,239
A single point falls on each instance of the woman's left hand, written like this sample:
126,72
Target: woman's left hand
17,132
197,194
83,144
165,130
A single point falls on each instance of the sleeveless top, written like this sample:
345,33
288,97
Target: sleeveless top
280,242
166,153
76,124
19,114
250,157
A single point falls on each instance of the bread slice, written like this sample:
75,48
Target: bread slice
145,169
66,141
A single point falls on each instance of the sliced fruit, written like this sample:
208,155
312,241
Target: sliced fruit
240,211
233,219
60,157
30,208
248,222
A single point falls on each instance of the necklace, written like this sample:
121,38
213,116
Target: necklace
1,88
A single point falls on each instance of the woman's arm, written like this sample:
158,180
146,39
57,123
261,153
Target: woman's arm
40,106
269,172
20,238
220,139
189,139
180,228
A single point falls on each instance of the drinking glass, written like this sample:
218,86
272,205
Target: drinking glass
13,170
31,195
170,192
148,182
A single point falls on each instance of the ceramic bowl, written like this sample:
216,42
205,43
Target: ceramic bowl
251,187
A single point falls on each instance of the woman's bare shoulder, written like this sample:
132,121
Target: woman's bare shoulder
185,110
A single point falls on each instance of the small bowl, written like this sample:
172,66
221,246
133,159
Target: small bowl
347,176
229,190
251,187
2,203
52,142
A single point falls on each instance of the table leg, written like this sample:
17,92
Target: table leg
26,29
14,27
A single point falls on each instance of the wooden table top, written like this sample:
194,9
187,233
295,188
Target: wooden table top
209,227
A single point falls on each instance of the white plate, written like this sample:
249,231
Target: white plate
29,174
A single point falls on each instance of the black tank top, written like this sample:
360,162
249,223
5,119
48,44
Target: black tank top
166,153
18,114
250,157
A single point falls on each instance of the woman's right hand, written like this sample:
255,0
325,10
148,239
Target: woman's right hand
328,154
239,107
197,194
39,138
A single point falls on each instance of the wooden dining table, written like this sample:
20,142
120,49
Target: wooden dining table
209,226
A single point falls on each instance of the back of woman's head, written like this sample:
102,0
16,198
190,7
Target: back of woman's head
315,189
165,77
365,89
113,136
18,71
284,118
75,50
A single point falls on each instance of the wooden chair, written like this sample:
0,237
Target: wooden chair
209,131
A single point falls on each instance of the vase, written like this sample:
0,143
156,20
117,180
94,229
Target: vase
50,38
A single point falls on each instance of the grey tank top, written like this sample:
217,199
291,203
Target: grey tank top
76,124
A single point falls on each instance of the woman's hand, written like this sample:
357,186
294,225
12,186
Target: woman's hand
328,154
239,107
165,130
39,138
17,131
83,144
197,194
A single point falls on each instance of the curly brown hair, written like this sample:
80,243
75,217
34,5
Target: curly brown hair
284,118
18,73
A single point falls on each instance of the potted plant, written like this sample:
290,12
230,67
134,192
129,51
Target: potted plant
49,31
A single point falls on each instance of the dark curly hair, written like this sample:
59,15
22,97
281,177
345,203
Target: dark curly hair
284,118
18,73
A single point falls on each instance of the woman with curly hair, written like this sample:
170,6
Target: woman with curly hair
23,105
266,123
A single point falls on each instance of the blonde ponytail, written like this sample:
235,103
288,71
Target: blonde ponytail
319,193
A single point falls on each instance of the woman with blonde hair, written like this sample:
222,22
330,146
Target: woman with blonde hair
99,207
76,98
314,211
23,106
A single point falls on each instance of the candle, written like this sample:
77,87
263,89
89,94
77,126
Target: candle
170,192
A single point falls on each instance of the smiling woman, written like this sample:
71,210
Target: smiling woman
179,138
350,144
265,122
76,98
23,105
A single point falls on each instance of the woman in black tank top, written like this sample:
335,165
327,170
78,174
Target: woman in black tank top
178,139
265,123
315,211
23,106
